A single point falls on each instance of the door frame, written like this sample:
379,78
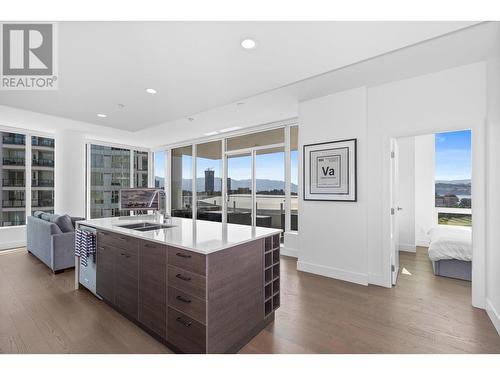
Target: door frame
252,151
478,194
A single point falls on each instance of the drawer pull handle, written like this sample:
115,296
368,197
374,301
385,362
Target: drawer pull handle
185,278
184,322
123,238
183,255
181,298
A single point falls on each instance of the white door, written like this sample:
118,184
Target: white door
394,212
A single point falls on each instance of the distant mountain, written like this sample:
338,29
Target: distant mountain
454,182
453,187
262,184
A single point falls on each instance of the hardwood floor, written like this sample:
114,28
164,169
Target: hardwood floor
41,313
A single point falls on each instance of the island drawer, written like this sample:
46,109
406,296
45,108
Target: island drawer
185,333
188,260
116,240
190,305
186,281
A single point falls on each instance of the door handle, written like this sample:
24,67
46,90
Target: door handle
182,299
183,255
184,322
185,278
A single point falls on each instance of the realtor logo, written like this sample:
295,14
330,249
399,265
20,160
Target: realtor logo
28,60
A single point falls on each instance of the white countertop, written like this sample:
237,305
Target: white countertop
201,236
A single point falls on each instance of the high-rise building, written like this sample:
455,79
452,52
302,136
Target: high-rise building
42,174
110,172
209,181
229,184
13,177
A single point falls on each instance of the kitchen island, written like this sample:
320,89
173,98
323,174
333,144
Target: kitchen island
197,286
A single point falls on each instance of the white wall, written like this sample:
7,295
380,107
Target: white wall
351,241
424,187
406,193
332,235
70,173
492,189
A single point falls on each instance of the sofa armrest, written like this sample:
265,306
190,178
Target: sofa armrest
63,250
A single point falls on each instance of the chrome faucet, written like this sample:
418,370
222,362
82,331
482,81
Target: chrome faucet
161,214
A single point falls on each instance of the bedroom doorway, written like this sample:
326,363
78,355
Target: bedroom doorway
431,208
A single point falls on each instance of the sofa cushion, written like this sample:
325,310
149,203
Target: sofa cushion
37,214
63,222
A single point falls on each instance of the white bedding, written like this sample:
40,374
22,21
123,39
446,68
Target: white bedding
450,242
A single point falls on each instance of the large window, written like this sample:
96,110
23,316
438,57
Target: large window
208,181
109,172
13,177
255,179
181,188
453,178
16,174
42,174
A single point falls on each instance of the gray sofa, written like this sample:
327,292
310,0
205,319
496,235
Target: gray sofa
51,238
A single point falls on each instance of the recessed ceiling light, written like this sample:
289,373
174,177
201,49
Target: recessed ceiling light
151,91
102,115
248,44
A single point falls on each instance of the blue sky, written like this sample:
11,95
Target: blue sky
269,166
453,155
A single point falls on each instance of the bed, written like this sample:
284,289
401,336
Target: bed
450,251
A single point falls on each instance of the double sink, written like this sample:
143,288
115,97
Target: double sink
145,227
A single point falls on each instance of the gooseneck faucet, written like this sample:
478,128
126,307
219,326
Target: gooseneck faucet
161,214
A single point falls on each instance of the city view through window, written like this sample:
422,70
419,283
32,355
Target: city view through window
453,164
269,179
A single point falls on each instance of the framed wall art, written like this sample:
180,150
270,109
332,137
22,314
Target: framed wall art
330,171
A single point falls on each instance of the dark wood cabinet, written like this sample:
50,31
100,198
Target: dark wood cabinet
105,277
153,287
127,281
194,303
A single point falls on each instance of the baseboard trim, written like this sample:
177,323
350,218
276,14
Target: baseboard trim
493,315
334,273
423,243
12,245
294,253
379,280
407,247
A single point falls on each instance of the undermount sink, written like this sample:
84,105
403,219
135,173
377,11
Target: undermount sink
144,227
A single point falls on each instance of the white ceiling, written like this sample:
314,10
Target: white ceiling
196,66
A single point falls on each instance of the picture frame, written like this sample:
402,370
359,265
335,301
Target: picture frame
330,171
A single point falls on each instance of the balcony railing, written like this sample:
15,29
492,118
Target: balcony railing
43,162
11,182
42,183
13,161
43,203
13,140
13,203
43,142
